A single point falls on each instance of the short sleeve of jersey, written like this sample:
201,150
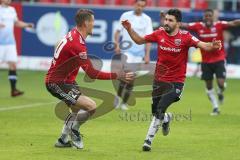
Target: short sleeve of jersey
224,24
152,37
193,26
119,26
15,15
192,40
149,28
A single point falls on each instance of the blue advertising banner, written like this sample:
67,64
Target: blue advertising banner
53,22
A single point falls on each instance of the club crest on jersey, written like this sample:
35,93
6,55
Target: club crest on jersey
177,42
213,29
83,55
162,40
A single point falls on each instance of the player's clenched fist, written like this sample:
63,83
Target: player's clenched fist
126,24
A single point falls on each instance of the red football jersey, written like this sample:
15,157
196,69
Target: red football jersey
208,35
69,56
172,54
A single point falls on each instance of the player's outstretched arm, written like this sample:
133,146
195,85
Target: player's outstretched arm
135,37
95,74
184,25
210,46
234,23
22,24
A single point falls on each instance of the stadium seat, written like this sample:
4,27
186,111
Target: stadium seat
63,1
47,1
98,2
150,3
130,2
183,3
165,3
201,4
118,2
81,1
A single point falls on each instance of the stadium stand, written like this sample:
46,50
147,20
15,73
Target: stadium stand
201,4
165,3
183,3
81,1
63,1
227,5
99,2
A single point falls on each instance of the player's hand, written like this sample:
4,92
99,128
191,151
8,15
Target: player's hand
2,25
216,44
117,49
30,25
126,24
127,77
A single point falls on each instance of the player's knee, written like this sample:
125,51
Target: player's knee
12,66
222,86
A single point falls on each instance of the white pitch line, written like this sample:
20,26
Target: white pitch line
25,106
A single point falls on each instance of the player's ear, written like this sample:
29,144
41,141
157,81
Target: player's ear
86,23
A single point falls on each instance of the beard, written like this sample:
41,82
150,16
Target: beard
208,23
168,29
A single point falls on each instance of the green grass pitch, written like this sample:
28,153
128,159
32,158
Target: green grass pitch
29,130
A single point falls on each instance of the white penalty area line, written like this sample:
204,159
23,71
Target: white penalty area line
25,106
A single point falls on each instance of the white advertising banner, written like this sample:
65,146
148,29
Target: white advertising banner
43,63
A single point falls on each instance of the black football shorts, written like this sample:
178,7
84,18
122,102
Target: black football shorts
69,93
217,68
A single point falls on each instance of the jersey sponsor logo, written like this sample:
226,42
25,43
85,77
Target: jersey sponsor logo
83,55
208,35
170,49
177,42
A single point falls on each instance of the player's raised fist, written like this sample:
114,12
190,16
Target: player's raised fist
126,24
